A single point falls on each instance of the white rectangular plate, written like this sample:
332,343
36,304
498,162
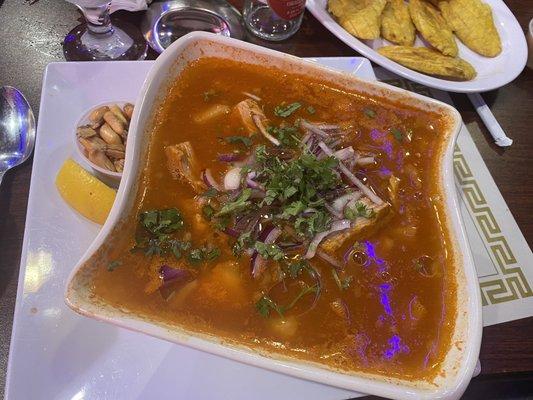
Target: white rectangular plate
56,354
492,72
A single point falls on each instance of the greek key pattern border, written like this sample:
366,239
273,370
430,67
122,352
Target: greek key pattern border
511,282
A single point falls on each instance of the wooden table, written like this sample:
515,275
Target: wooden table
31,38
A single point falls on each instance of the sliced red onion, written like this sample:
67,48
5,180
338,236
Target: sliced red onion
309,211
232,232
306,137
334,212
273,235
253,184
209,180
328,127
341,202
366,161
344,153
232,179
252,96
229,157
247,161
258,193
290,246
313,129
172,277
332,260
169,274
334,143
258,262
318,279
259,123
369,193
335,227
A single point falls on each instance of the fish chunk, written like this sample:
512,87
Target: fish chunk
396,24
430,62
472,22
432,26
361,226
243,114
183,165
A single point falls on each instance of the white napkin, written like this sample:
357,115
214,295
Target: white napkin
129,5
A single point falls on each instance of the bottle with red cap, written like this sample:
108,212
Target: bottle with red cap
273,20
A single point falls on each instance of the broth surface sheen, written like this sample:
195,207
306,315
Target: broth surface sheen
388,311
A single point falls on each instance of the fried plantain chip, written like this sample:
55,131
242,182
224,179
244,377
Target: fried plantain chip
430,62
436,2
341,7
472,22
433,27
396,24
361,18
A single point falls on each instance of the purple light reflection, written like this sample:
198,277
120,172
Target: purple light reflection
396,346
384,299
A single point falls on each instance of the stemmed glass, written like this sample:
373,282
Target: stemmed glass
100,40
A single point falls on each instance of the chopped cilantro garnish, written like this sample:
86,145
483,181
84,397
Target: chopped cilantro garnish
297,267
343,284
208,211
398,135
243,241
265,304
317,222
210,193
359,209
293,209
196,256
212,254
244,140
272,251
201,254
311,109
239,203
177,246
113,265
161,221
209,94
286,110
370,113
287,135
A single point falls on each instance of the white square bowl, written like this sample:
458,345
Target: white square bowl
460,359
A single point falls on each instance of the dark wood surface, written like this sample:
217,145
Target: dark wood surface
30,38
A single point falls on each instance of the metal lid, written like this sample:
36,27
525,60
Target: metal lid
166,21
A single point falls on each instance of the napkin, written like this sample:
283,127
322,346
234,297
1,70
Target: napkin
129,5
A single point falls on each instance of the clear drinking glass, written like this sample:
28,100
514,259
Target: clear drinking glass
100,40
273,20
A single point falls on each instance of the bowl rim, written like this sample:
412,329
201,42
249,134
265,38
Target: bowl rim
298,368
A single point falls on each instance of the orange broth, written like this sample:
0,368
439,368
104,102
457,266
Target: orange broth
398,315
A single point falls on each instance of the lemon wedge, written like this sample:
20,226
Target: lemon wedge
83,192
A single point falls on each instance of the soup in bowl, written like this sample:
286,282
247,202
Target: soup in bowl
292,217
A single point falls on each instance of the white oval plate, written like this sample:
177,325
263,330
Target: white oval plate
492,73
